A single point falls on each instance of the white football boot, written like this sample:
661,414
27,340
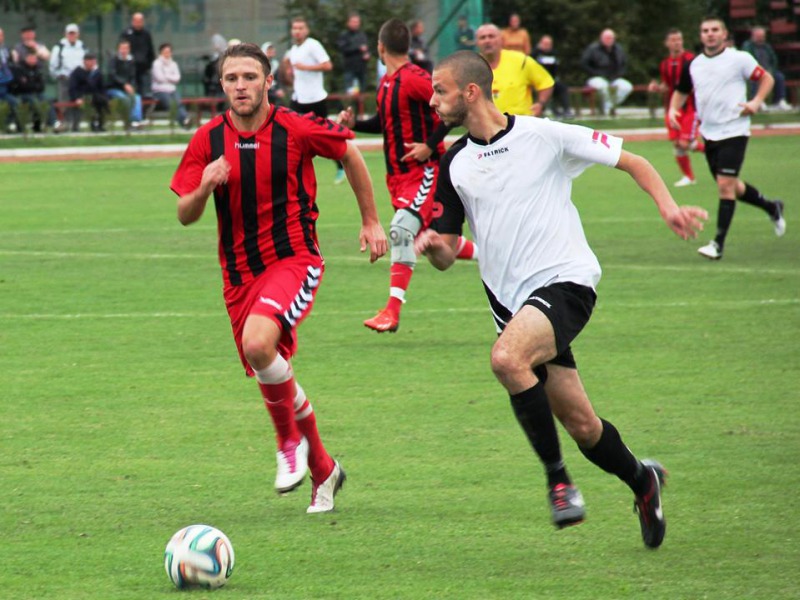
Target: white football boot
322,495
292,465
711,250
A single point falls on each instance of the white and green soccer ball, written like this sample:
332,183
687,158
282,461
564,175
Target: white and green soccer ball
199,556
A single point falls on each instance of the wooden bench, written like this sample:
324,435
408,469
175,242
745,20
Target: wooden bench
588,95
197,104
211,104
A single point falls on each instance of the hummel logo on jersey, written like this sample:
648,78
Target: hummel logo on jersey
270,302
246,145
600,137
494,152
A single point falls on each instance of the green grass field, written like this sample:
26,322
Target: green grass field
127,415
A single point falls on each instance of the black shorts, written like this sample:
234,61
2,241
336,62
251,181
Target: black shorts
568,307
725,157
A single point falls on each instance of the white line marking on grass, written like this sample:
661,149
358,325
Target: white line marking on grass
361,258
322,313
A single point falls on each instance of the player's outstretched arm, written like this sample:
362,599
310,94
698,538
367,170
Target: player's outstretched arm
372,234
192,205
685,221
440,249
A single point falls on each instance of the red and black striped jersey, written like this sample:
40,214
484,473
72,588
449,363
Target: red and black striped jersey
405,114
267,210
671,69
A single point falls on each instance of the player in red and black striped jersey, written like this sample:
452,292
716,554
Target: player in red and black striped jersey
412,143
256,160
686,137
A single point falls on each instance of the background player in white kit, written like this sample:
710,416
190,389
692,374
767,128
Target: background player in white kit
511,178
719,78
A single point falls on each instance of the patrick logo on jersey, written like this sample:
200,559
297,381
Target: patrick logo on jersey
598,136
493,152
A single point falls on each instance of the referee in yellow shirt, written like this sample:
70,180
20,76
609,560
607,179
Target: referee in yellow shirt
515,75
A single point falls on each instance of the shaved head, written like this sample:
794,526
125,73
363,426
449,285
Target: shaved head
468,67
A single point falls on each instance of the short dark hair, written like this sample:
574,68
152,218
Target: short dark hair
246,50
672,31
469,67
164,45
395,37
299,19
714,18
27,28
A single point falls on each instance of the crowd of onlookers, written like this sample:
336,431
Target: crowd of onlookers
134,72
137,71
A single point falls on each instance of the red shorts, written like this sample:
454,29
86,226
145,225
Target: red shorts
414,190
688,128
284,293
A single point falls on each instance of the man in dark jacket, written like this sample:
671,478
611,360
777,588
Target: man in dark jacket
28,86
86,82
122,82
354,48
605,62
546,56
142,50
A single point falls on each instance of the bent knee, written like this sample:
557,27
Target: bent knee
583,426
257,353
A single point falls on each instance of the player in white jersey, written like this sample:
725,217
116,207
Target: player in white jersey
306,63
511,178
719,78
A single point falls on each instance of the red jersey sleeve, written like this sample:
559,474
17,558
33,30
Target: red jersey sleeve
323,137
189,173
420,88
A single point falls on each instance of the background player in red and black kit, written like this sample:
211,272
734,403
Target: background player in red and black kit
256,159
412,145
685,137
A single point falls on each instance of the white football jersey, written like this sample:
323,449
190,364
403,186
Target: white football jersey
720,88
309,86
515,193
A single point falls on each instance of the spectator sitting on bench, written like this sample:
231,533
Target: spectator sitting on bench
166,75
763,52
86,81
122,78
28,86
605,62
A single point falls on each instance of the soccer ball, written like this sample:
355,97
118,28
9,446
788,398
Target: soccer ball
199,555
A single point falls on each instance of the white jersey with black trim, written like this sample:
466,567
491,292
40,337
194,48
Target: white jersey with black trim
515,193
720,89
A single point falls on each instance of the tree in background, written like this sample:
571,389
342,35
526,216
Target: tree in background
640,28
79,10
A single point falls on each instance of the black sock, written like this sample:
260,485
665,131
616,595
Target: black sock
724,218
613,456
536,419
753,196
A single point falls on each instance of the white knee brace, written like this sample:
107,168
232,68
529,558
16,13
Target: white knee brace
402,231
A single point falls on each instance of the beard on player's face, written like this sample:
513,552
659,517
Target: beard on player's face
457,115
251,109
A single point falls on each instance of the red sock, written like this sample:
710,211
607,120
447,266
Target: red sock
399,278
466,249
279,400
686,166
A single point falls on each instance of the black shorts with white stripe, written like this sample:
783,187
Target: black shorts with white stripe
568,307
